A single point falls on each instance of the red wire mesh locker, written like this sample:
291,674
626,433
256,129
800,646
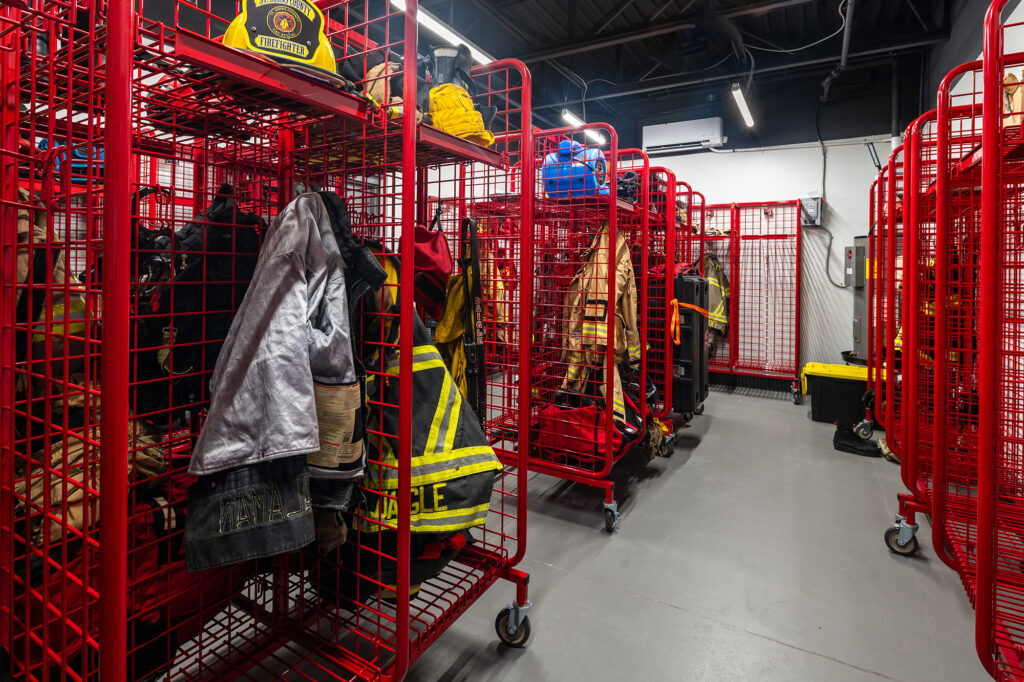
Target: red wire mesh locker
660,275
635,227
574,434
63,609
1000,584
918,333
696,211
892,332
878,283
720,242
957,211
767,293
874,285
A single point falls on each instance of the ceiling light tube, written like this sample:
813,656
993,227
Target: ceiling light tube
435,26
741,103
574,120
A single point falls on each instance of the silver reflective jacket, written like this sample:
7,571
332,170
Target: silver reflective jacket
291,330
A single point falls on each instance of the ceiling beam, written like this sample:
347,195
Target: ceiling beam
667,83
648,30
922,18
611,15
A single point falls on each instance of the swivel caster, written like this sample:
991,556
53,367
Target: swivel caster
798,397
864,429
901,539
513,625
699,409
611,517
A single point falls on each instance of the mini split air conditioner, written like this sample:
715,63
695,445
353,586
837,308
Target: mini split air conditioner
683,136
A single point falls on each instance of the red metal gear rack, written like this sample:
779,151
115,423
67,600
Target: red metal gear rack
1000,595
892,224
717,226
918,333
764,245
878,287
661,266
569,385
194,115
958,229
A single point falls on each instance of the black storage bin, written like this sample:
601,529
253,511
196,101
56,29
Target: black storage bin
836,391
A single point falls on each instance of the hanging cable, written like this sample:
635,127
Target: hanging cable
842,16
824,169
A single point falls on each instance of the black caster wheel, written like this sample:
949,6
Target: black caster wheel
610,520
908,550
517,640
864,430
687,417
699,409
798,398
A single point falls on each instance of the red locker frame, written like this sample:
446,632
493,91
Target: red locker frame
175,120
1000,594
957,217
917,419
661,264
564,229
764,245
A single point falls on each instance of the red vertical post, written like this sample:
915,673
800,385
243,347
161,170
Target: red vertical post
526,170
9,99
405,344
890,291
908,403
796,331
988,292
117,141
734,286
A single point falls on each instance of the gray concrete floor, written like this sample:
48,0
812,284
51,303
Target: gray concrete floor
754,553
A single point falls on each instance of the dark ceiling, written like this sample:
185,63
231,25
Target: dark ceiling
637,62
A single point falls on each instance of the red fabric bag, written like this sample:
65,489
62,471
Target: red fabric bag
433,266
581,433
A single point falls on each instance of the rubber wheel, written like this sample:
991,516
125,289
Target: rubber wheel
609,520
864,430
518,640
687,417
699,409
910,549
798,398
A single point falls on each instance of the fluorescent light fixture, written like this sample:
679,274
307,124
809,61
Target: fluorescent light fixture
741,103
574,120
435,26
874,155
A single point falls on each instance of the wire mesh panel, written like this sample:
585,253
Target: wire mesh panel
660,275
221,142
878,284
892,340
1000,598
918,333
957,203
720,245
767,293
586,401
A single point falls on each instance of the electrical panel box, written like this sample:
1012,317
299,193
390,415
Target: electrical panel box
854,266
810,211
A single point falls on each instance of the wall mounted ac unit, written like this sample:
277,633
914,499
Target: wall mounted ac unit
683,136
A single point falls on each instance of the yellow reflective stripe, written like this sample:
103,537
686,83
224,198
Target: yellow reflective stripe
453,420
595,328
443,467
439,412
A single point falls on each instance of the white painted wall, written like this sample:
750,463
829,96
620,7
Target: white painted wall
790,172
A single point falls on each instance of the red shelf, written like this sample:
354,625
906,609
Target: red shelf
437,146
264,81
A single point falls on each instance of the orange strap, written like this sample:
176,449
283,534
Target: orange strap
674,306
